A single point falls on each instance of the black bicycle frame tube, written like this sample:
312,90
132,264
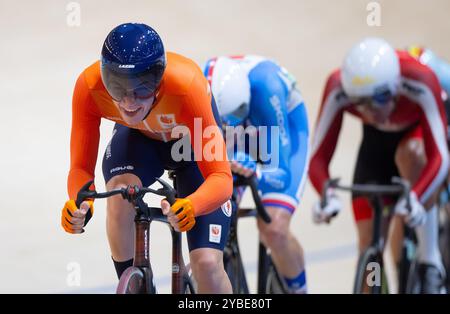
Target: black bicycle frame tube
178,267
263,260
177,263
376,232
263,268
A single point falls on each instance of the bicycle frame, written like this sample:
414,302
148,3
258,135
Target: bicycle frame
264,260
263,268
143,219
232,251
377,238
142,248
374,193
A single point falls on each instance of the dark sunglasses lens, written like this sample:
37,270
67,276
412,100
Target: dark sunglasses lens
382,98
360,101
143,93
117,93
241,112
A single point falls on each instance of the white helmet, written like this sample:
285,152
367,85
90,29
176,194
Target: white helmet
231,89
371,67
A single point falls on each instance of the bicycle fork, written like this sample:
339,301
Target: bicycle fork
378,238
179,272
263,268
142,250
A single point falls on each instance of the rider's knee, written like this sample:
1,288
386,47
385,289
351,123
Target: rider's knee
205,264
117,207
123,180
275,234
364,243
410,158
364,228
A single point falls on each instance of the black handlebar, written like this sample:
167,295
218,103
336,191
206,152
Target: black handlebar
135,193
130,193
251,183
399,186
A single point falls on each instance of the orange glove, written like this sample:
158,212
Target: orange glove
73,219
180,215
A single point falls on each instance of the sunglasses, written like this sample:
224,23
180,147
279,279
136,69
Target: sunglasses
140,86
379,100
119,93
237,116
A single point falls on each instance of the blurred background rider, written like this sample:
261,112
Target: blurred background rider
254,91
399,102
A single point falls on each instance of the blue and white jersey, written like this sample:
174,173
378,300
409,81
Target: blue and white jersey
275,101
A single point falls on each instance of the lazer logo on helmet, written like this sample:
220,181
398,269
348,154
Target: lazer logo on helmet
127,66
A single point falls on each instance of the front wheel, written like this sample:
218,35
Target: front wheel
135,281
444,239
235,271
413,285
275,284
190,284
370,277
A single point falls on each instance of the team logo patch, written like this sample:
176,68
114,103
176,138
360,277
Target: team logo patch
167,120
215,233
227,208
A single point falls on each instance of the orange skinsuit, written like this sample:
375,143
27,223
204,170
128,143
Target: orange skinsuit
184,95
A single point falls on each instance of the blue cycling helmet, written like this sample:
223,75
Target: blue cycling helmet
133,61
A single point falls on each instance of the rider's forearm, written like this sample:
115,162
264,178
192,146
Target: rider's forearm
84,138
213,193
76,179
83,158
432,176
318,173
433,125
328,127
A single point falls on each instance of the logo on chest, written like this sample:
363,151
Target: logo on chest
167,120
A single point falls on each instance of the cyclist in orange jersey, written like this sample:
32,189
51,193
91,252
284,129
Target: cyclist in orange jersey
160,102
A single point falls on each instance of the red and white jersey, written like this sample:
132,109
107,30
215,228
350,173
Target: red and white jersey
419,103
